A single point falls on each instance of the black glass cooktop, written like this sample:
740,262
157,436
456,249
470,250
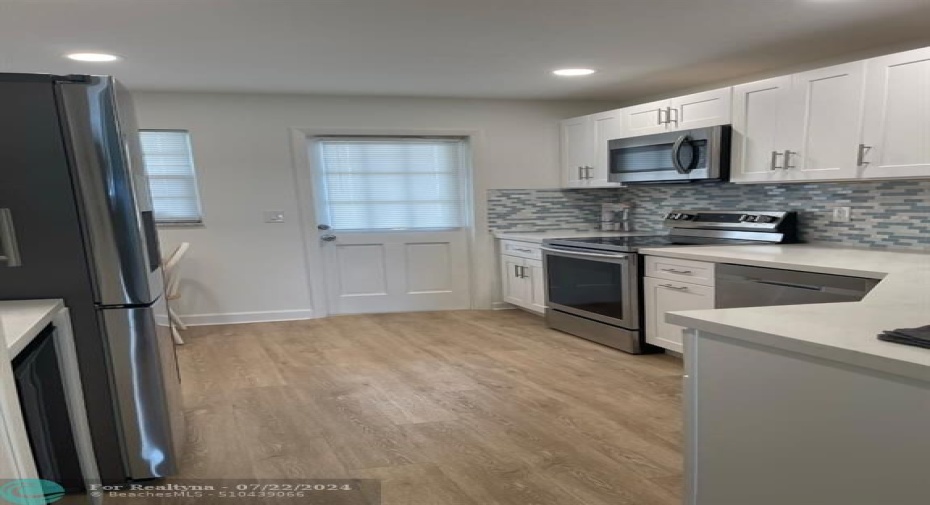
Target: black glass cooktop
633,244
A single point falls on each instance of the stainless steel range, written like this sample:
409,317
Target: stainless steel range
594,285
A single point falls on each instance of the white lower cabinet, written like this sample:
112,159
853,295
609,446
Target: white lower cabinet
664,295
523,280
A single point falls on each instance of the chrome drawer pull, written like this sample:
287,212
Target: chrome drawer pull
676,288
674,271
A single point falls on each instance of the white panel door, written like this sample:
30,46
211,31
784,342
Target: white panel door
897,116
664,296
536,285
701,110
607,126
577,136
513,284
759,130
826,109
370,272
646,119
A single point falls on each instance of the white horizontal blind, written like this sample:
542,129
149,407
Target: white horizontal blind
399,183
169,165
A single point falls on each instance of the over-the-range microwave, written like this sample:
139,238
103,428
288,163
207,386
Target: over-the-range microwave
685,156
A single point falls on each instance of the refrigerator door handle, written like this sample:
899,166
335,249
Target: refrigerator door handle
9,247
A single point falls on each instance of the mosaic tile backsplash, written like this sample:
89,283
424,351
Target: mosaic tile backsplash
885,214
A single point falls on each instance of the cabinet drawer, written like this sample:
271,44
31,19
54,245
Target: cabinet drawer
663,296
521,249
695,272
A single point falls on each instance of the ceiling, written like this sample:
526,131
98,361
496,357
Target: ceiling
462,48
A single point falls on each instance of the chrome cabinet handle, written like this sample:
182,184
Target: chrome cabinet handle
516,271
774,164
523,273
9,247
788,164
660,111
676,288
674,271
587,173
669,115
863,150
328,238
580,173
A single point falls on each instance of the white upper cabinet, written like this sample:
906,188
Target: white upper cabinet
825,117
607,126
799,128
578,150
759,130
896,136
646,119
585,149
701,110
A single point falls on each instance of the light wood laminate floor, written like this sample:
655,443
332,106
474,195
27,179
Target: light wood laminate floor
446,408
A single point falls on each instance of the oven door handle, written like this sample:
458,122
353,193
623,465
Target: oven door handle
576,253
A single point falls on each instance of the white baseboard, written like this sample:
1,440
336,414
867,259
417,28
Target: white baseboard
246,317
502,306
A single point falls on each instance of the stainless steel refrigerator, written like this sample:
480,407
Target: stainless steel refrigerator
76,223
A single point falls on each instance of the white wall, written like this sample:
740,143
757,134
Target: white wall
241,269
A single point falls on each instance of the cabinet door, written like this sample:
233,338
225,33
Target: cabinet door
758,130
825,119
666,296
645,119
607,126
700,110
897,116
577,151
537,286
513,284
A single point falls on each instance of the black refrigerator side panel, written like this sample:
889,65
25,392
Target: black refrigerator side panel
36,187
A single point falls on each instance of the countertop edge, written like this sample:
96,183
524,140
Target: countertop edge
28,332
842,355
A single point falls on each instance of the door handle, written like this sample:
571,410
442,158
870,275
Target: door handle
580,173
675,271
774,164
660,116
863,150
788,155
676,155
328,238
523,273
9,247
516,271
323,227
587,172
676,288
669,115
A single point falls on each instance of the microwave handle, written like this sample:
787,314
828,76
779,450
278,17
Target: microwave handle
676,155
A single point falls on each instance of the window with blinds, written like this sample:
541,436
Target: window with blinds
398,183
169,166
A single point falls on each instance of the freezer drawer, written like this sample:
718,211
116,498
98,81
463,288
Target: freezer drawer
147,387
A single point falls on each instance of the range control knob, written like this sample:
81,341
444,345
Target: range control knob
766,219
747,218
686,217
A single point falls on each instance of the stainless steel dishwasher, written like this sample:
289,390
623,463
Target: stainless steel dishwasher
745,286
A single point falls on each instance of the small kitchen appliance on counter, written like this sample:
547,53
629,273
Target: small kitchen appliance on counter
594,285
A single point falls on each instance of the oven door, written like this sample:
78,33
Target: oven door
685,156
596,285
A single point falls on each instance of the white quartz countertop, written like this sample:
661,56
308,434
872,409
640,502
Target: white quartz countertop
844,332
538,237
23,320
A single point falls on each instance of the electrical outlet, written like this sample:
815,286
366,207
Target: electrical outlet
842,214
273,216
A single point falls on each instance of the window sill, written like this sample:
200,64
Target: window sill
179,225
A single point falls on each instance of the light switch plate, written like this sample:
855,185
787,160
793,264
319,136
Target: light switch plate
274,216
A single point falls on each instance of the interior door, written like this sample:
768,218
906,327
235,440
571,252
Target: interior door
826,107
758,130
393,223
897,116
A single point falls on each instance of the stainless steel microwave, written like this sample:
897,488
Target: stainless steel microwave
693,155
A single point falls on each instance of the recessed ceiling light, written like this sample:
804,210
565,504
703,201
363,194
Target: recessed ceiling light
573,72
97,57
